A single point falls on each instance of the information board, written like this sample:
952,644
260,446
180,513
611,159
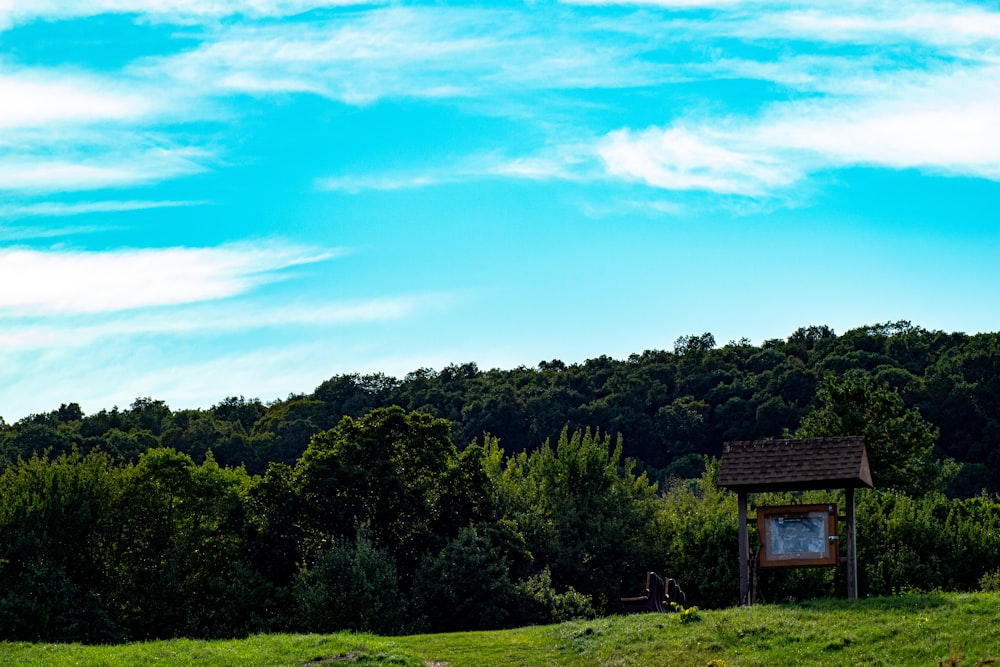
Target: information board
798,536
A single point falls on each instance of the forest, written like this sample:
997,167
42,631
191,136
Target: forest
466,499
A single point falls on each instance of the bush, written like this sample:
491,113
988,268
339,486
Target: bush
696,539
926,543
351,586
466,586
542,604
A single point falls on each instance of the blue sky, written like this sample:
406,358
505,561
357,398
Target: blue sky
207,198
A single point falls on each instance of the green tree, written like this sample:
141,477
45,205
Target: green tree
351,586
182,564
900,442
695,539
56,535
584,512
465,586
387,471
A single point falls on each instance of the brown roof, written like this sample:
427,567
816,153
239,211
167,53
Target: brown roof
795,465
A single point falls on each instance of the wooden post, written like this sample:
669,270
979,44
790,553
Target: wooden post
852,548
744,537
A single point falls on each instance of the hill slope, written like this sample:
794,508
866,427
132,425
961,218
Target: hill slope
952,629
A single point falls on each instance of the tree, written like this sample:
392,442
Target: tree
56,534
351,586
900,442
583,511
387,471
182,564
239,410
466,586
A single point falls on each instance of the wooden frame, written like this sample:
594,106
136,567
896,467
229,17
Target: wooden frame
798,536
796,464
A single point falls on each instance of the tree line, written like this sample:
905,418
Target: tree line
465,499
672,408
383,525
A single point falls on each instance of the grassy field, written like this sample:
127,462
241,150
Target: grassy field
946,629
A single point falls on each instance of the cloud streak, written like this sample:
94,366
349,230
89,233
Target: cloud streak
84,330
36,97
566,163
945,124
38,282
54,208
426,52
177,11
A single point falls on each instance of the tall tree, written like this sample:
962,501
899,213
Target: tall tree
386,471
583,511
900,441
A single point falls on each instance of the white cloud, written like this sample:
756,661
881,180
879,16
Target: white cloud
40,97
563,163
426,52
669,4
101,375
942,122
191,355
877,111
53,208
75,330
958,135
935,23
91,167
355,183
14,12
66,129
677,158
34,282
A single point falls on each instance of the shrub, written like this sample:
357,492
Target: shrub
542,604
351,586
696,539
466,586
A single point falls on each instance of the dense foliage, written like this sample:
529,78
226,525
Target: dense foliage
465,499
670,407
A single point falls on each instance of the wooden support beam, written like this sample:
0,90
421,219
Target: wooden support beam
744,537
852,547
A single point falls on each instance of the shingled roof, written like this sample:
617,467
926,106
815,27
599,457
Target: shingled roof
795,465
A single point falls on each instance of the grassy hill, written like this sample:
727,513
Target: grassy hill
931,629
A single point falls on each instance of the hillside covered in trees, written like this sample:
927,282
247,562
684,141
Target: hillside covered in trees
468,499
671,408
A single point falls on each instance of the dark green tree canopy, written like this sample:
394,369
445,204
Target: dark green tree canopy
900,442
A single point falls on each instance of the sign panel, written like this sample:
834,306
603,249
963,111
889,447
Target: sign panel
798,536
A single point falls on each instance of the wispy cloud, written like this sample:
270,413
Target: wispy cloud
75,330
946,24
16,230
68,129
109,168
58,209
561,165
190,355
36,97
473,53
13,12
34,282
677,158
944,123
868,108
425,52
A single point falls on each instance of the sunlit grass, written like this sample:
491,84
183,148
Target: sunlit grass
905,630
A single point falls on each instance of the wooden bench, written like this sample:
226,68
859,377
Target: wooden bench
660,596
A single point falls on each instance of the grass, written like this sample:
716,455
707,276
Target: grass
930,629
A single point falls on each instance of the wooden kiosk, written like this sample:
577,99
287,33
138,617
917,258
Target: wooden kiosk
797,535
